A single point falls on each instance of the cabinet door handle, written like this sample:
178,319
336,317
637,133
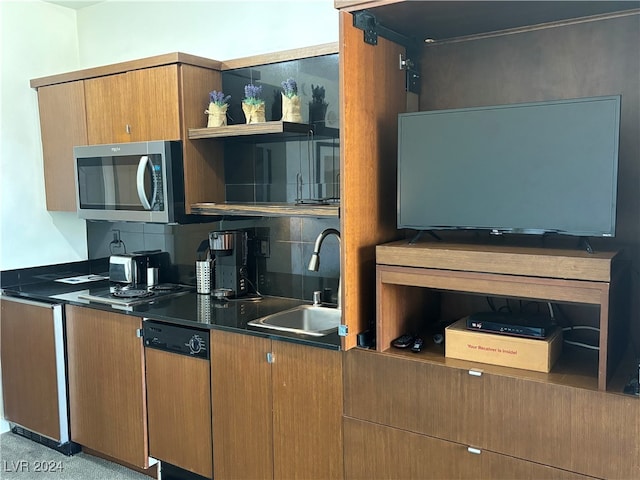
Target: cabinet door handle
127,128
475,451
270,357
475,372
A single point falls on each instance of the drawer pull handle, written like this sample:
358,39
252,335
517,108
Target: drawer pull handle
475,373
475,451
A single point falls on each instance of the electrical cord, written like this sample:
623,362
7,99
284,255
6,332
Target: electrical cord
553,316
581,344
117,244
581,327
255,289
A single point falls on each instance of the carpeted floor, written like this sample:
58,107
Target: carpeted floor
23,459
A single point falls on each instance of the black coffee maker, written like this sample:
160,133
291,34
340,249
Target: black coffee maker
230,250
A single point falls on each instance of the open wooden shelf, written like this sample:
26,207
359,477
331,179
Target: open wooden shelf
267,209
575,367
264,131
410,275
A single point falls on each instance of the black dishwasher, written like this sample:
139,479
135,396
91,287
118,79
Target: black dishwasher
178,398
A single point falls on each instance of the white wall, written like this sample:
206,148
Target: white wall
115,31
40,39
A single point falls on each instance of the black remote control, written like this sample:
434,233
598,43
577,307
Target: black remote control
403,341
417,345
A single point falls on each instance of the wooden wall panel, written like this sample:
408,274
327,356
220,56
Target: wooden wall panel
371,96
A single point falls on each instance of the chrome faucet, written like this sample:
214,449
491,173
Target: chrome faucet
314,263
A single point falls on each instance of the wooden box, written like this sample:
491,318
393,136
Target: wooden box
496,349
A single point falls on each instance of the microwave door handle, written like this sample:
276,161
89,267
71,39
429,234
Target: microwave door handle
142,195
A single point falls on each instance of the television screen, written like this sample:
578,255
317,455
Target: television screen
523,168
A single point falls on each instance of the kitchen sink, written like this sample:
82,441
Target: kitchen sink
305,319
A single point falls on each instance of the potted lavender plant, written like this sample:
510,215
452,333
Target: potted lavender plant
218,104
252,104
290,101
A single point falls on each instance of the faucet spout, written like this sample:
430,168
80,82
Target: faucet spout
314,262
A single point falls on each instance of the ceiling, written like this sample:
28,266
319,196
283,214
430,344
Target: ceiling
441,20
76,5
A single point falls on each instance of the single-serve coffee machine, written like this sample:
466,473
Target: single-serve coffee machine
230,264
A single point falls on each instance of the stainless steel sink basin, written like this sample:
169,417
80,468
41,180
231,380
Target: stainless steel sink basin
305,319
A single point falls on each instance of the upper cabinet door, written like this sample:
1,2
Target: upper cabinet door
135,106
62,126
107,103
154,104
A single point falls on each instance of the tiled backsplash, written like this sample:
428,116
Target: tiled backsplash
279,250
286,170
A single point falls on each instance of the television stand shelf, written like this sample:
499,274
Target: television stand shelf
408,275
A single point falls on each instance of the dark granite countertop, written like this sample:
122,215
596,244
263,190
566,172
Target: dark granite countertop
190,309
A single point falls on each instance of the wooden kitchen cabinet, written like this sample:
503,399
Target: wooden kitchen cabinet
279,420
153,98
534,425
414,395
241,406
307,412
62,127
107,395
135,106
382,452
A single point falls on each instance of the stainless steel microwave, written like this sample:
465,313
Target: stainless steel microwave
130,182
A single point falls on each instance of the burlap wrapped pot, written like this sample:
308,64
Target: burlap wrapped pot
217,115
291,109
254,113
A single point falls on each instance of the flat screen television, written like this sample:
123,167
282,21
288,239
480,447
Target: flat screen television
524,168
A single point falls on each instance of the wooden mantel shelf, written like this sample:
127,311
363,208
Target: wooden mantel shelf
267,209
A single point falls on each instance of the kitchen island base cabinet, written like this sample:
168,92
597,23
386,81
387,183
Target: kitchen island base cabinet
278,420
107,395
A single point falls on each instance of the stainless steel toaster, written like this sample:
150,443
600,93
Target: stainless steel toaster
128,268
